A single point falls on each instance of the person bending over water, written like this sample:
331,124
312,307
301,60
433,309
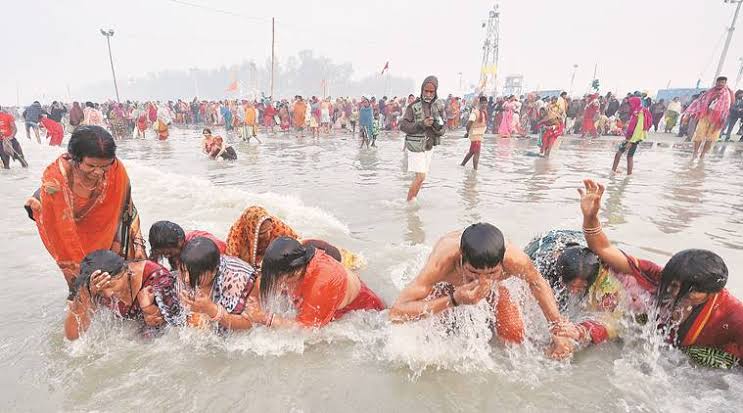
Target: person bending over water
85,204
256,228
137,290
695,309
168,238
320,287
217,286
215,147
465,265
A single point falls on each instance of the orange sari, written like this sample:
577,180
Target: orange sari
71,226
245,235
300,111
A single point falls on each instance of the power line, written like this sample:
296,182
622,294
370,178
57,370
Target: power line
216,10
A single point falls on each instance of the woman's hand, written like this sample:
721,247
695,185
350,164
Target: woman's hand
98,281
200,303
150,311
590,199
255,313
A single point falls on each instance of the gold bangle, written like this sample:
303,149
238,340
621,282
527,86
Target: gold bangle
592,231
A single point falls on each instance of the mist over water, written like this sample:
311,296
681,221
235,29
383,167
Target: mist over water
354,198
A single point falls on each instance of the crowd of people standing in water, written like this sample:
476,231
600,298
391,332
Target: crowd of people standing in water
703,119
588,290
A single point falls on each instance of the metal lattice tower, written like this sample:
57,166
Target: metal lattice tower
489,68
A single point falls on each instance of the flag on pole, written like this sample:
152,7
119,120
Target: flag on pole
232,87
386,67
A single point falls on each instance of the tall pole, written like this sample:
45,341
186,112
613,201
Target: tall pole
273,43
572,80
740,72
108,33
729,38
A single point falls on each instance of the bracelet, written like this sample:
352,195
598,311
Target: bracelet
592,231
454,302
554,325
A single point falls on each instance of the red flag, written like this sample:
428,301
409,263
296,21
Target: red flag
386,66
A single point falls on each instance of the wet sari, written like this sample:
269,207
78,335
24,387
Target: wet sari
71,226
248,241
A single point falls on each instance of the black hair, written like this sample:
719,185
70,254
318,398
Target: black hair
483,99
103,260
166,234
207,130
282,256
482,246
89,104
326,247
721,78
199,256
696,270
563,93
578,262
91,141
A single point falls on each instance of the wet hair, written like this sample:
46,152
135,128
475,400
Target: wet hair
696,270
103,260
721,78
577,262
283,256
165,234
198,256
326,247
482,246
91,141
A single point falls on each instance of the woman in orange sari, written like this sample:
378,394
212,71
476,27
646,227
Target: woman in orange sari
84,203
251,234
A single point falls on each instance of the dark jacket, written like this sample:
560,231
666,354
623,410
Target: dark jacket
435,109
33,112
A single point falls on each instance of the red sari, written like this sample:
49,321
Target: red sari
54,130
71,226
589,124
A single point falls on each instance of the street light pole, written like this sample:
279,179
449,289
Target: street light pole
731,29
108,33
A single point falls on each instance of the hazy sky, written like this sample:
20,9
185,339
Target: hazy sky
638,44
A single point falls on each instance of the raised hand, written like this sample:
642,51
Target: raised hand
590,198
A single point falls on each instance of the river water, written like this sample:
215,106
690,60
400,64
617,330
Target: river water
355,198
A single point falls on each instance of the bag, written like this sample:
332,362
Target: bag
417,143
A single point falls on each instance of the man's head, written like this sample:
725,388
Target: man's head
483,102
721,82
564,95
428,89
690,277
577,268
482,248
166,241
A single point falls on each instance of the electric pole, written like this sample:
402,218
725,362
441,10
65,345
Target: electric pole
108,34
731,29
